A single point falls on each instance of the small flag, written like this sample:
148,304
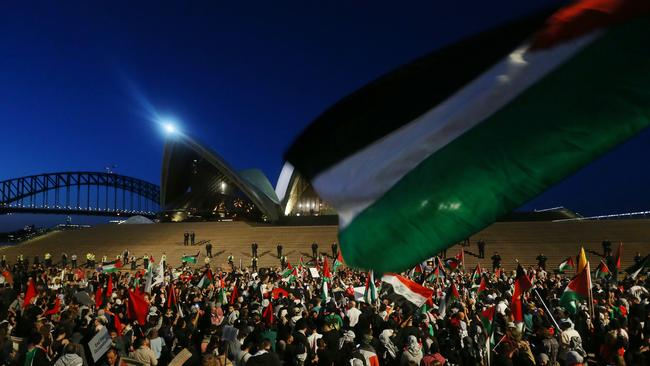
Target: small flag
191,258
619,254
639,267
566,265
337,262
487,316
582,260
370,293
30,294
602,271
477,273
482,287
111,267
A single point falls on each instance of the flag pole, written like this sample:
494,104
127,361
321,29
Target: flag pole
546,308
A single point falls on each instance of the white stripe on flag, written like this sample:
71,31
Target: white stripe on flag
359,180
401,289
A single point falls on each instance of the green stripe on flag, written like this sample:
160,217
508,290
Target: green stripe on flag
590,104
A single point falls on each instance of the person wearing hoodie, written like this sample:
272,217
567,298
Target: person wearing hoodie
69,357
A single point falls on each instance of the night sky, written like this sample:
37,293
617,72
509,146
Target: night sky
82,84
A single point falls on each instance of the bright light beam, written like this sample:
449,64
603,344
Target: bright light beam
169,127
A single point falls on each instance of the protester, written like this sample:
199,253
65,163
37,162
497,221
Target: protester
239,316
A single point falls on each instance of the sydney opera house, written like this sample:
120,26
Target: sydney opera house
199,185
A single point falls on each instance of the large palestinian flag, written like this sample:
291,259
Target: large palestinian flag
439,149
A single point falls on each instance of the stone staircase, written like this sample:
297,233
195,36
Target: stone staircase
513,240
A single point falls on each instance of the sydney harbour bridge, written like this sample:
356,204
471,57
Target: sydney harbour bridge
85,193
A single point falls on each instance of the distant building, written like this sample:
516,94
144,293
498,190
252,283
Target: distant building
199,185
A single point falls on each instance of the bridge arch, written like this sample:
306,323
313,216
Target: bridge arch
96,193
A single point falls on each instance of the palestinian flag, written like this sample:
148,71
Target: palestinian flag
438,273
618,255
637,268
566,265
221,296
477,273
482,287
370,293
337,262
191,258
206,280
400,290
602,271
579,289
522,284
113,266
171,296
290,275
408,160
487,316
449,297
452,263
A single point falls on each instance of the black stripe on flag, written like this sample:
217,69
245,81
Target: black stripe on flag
402,95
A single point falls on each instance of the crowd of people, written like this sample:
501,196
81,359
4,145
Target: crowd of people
314,313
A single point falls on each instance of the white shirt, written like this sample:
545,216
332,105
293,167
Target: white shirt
353,315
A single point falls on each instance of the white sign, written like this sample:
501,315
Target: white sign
100,344
314,272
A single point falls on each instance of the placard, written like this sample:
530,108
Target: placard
100,344
181,358
314,272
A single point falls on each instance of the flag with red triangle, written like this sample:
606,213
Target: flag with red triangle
602,271
477,273
579,289
566,265
171,296
487,316
619,254
482,287
337,262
